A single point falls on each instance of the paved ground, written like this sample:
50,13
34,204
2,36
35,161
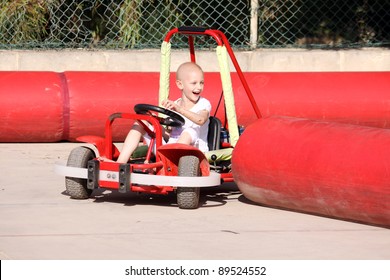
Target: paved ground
39,221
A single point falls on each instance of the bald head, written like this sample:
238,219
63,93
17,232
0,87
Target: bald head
186,68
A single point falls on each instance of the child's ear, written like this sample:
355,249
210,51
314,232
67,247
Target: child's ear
179,84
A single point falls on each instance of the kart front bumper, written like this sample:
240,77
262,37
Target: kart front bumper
126,178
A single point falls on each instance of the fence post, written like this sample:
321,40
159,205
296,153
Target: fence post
253,24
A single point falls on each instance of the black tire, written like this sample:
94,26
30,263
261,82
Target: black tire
77,187
188,197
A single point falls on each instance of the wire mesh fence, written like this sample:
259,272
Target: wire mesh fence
336,23
123,24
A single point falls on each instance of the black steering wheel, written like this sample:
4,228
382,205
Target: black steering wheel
172,119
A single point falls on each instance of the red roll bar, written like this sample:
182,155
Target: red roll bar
221,40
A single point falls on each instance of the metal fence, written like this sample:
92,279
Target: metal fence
120,24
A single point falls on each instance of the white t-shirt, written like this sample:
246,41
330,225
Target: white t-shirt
197,132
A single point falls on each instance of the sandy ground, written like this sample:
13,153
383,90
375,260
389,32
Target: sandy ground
38,220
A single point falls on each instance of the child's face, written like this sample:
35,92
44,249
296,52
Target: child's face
191,84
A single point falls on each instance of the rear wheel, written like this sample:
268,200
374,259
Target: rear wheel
188,197
77,187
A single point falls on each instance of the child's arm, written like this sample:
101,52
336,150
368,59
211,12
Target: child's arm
198,118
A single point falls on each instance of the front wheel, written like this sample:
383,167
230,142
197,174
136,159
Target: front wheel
188,197
77,187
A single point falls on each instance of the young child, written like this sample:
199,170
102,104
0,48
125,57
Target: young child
192,106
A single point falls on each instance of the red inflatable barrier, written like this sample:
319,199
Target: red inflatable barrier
93,96
349,97
49,107
31,107
332,169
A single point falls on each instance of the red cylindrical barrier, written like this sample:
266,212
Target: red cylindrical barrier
93,96
350,97
48,106
31,107
327,168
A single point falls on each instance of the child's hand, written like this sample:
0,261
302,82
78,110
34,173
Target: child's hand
169,104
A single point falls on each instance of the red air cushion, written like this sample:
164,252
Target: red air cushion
350,97
49,107
333,169
31,107
93,96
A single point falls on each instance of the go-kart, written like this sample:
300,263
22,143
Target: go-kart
155,168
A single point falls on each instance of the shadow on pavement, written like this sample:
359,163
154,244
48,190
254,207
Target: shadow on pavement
209,197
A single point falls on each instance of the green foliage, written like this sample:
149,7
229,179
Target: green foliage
158,17
129,16
143,23
332,23
23,21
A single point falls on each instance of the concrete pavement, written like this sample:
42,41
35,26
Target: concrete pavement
38,220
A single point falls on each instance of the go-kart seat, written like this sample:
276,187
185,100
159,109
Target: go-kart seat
214,134
218,157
